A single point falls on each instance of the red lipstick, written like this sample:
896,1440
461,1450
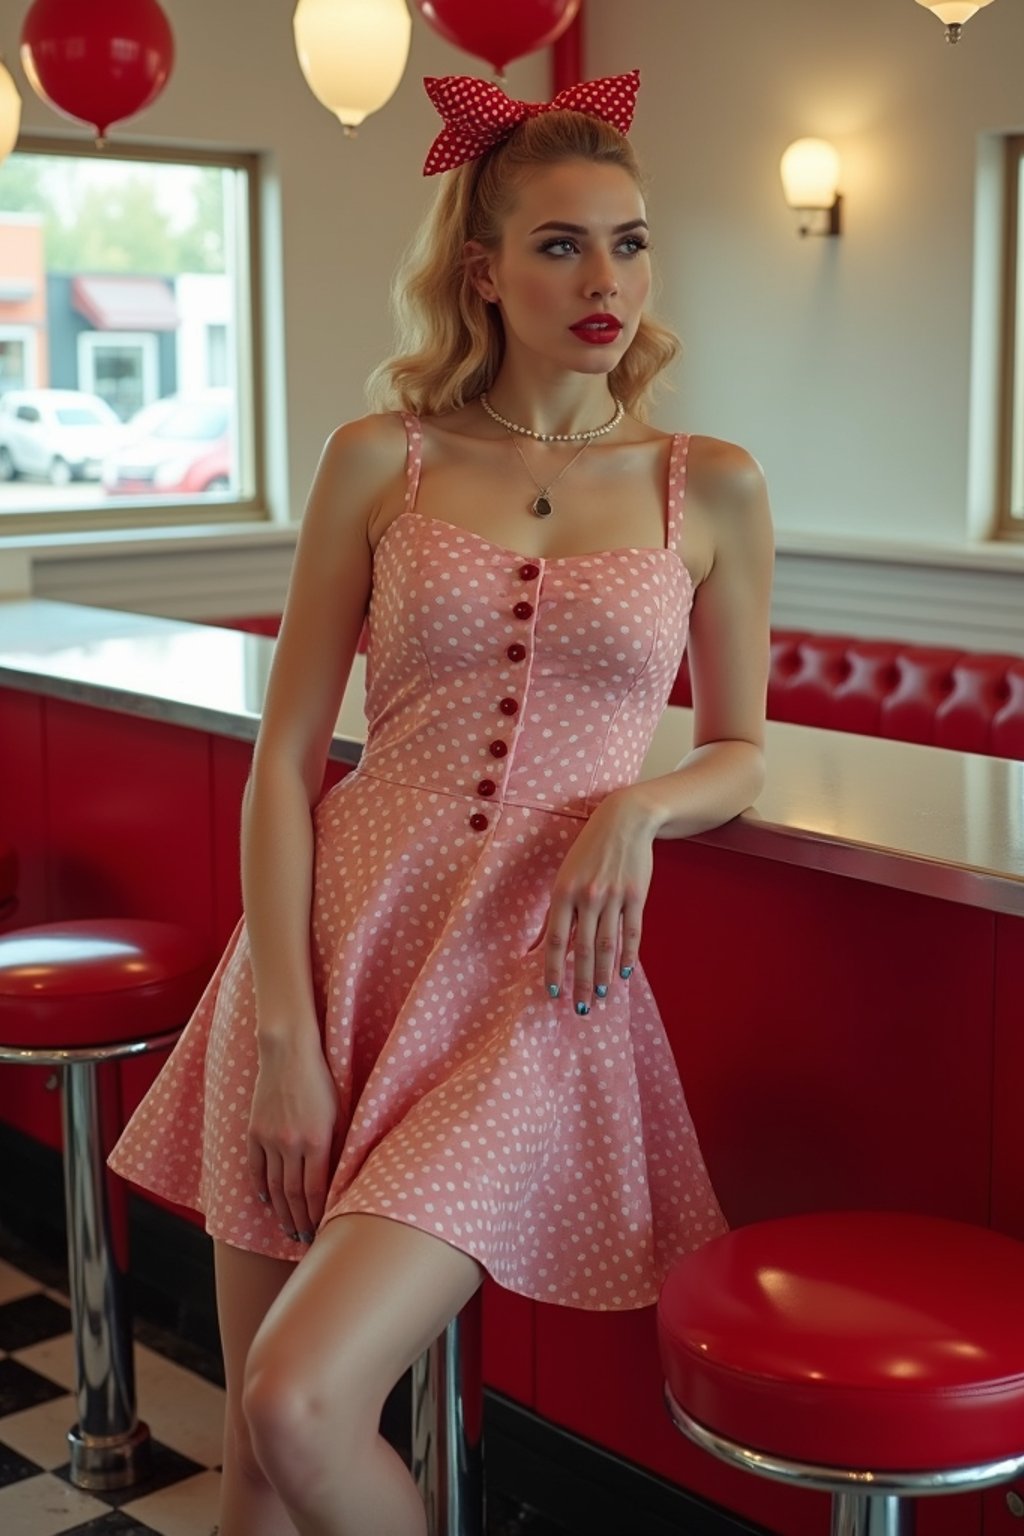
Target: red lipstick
597,329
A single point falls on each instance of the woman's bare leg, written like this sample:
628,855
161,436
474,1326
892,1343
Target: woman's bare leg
366,1301
247,1285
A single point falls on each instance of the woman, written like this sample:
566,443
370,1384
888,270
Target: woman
428,1052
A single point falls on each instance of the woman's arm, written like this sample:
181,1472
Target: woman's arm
603,882
729,650
294,1106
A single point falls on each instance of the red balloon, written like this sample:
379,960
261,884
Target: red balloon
499,30
97,60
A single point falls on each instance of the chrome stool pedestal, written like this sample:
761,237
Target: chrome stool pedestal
447,1426
78,996
887,1510
109,1445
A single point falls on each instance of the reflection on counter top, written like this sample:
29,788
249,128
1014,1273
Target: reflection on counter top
194,675
946,824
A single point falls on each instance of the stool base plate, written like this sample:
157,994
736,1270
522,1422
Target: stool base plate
109,1461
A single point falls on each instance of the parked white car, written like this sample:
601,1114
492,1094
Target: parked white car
57,434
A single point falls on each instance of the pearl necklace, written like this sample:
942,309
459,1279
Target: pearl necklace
555,437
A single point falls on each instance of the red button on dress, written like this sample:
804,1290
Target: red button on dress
498,748
529,572
516,652
486,787
478,822
523,610
508,706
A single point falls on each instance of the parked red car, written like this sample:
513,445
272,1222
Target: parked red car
182,450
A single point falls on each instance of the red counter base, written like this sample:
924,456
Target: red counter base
864,1053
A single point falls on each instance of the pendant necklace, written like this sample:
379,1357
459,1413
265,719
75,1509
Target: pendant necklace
542,505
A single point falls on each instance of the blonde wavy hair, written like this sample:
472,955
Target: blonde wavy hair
450,340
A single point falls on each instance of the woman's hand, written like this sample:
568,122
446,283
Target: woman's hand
598,897
291,1133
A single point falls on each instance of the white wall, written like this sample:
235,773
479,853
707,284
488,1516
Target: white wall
843,365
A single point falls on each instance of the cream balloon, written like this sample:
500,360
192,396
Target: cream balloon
10,111
353,53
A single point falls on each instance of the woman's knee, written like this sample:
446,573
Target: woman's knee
302,1423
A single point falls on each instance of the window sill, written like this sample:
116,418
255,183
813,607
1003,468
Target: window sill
994,555
98,543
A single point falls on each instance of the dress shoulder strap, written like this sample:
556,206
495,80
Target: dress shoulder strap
676,488
413,458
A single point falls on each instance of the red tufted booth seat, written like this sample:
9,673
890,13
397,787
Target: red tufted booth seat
971,701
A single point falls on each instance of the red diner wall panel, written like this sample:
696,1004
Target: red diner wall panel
130,828
25,1100
23,800
835,1043
856,1026
1007,1111
1007,1140
130,807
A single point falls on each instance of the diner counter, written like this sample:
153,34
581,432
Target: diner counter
846,1039
922,819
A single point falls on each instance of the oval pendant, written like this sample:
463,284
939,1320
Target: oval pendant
542,506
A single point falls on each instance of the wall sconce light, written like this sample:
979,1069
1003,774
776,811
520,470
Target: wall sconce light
10,111
810,181
953,14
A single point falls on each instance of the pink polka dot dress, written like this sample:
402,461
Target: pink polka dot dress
506,696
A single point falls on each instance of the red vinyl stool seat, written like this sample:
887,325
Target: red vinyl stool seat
97,982
852,1350
79,995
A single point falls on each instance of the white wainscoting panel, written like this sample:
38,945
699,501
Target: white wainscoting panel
973,606
975,609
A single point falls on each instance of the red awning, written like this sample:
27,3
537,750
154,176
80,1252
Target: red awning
126,303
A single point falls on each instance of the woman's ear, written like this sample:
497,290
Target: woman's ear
477,260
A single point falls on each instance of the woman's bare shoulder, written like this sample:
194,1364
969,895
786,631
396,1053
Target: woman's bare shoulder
370,442
722,474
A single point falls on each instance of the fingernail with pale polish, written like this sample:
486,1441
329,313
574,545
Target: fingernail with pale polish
625,971
264,1199
582,1007
552,989
601,989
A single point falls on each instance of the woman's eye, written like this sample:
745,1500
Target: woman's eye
635,244
552,246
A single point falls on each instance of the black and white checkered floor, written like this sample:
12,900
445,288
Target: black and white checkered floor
184,1413
180,1396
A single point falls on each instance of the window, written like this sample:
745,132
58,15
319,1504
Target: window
128,342
1011,499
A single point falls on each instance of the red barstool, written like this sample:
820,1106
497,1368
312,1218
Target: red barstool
874,1355
79,995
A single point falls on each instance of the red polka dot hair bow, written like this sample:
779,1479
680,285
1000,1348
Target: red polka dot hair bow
478,115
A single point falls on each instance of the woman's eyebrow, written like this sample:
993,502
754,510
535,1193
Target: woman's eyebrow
581,229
